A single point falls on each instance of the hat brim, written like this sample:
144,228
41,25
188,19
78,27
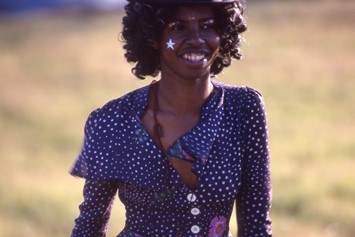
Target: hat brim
179,2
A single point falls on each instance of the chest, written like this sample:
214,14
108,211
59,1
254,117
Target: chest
165,130
217,179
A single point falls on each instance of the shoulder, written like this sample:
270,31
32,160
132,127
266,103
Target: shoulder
118,109
240,95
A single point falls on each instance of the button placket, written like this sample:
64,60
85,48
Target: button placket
191,197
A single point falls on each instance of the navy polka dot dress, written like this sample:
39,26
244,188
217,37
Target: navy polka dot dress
229,151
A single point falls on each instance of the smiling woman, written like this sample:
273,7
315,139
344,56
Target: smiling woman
196,43
145,20
182,150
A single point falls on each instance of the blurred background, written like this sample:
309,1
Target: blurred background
61,59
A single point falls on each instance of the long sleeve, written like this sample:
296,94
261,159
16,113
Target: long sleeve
96,208
254,197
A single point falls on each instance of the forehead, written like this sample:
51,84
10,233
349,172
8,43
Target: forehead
194,12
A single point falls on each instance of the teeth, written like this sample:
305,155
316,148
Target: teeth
194,57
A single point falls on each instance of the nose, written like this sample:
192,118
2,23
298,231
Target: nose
194,36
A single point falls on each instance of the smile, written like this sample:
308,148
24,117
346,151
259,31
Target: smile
194,57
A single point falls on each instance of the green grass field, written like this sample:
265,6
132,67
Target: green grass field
56,68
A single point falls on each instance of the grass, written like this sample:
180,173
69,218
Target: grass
56,68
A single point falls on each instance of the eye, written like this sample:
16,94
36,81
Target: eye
209,24
175,25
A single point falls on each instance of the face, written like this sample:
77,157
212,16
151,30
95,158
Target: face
189,43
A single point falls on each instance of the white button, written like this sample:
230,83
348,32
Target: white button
191,197
195,211
195,229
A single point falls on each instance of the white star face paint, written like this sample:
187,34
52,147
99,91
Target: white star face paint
170,44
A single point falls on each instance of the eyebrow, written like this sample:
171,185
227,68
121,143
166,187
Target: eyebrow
203,19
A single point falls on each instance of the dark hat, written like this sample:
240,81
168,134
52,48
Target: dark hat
177,2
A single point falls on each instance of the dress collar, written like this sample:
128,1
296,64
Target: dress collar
197,143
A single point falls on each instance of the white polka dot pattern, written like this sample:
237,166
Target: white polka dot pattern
231,159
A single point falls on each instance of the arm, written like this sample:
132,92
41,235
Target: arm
96,208
254,196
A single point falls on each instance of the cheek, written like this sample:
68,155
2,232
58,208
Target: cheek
214,43
169,41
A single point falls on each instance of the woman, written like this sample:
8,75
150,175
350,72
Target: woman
182,150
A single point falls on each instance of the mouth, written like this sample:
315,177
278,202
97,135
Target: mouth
195,57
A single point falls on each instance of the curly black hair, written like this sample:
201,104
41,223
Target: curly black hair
143,25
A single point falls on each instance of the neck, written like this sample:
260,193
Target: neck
183,97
